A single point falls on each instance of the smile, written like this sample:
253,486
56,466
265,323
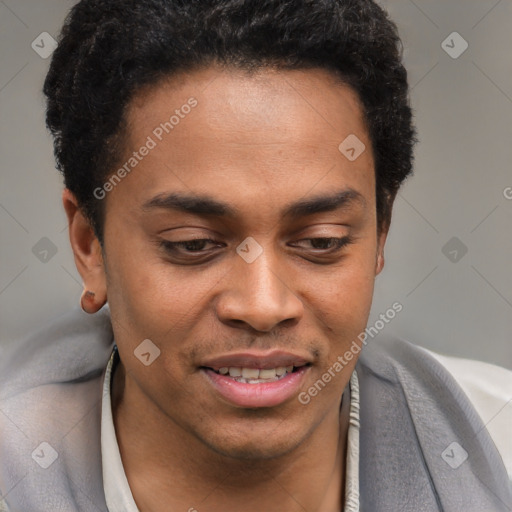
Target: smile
259,387
256,375
257,379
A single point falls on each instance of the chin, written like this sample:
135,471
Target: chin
252,450
252,443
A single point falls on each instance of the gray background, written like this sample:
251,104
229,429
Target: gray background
453,302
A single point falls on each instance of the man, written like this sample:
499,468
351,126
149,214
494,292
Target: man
230,169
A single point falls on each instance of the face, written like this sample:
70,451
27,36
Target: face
242,239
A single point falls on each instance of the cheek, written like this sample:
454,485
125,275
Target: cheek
154,299
355,288
341,299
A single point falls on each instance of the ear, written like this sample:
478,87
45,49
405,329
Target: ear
381,241
88,255
383,229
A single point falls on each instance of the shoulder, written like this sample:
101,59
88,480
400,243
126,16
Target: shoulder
489,389
73,347
50,398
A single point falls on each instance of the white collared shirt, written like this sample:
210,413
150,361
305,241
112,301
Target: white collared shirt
489,388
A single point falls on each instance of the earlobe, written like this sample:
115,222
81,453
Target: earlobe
89,303
379,265
88,255
380,262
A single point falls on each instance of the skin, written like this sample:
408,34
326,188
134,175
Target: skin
258,143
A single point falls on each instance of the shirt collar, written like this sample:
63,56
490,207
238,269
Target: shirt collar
118,494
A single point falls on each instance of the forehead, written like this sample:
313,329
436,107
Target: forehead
284,103
220,131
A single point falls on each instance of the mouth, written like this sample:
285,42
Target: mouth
256,375
253,380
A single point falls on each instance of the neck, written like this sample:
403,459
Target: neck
170,469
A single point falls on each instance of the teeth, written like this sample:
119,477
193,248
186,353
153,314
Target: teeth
235,372
250,373
267,374
255,375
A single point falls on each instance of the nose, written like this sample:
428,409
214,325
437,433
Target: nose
259,295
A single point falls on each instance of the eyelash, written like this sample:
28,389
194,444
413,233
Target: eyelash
340,243
174,247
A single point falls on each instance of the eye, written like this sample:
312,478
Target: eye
325,244
322,250
197,250
195,246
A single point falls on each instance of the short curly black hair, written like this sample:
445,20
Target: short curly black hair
109,50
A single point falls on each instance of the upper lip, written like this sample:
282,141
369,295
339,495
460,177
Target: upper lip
262,360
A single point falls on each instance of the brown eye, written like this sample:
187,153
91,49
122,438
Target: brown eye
190,245
330,244
322,250
324,243
190,252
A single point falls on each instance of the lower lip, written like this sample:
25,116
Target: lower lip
257,395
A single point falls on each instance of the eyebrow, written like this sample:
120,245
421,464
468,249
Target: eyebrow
207,206
191,203
325,203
